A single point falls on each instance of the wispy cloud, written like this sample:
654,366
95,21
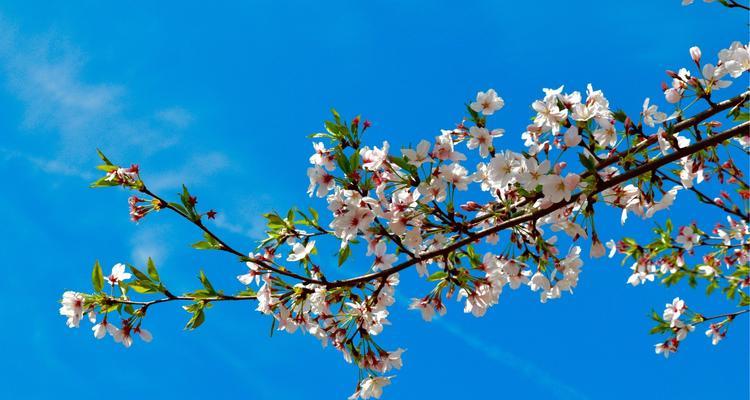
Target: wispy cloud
176,116
195,170
533,372
150,241
46,165
71,114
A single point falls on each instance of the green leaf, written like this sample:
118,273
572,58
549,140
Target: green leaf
744,299
152,270
344,254
620,116
139,275
103,182
437,276
314,214
103,157
587,162
196,320
143,287
209,244
206,283
97,278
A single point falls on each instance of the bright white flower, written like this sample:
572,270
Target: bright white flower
487,103
118,274
322,157
605,135
735,60
300,251
435,190
664,146
382,260
549,115
673,95
373,159
426,308
320,178
443,149
643,270
123,335
476,301
72,307
571,137
539,281
681,329
673,311
482,138
714,332
555,188
712,78
420,155
144,334
651,115
582,112
455,174
666,348
349,224
253,275
532,173
103,328
371,387
688,238
503,169
265,298
666,201
392,360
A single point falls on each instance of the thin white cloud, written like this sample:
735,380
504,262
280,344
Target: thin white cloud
150,241
558,389
176,116
73,114
195,170
50,166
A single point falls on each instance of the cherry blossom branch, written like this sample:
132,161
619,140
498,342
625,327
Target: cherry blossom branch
730,316
225,247
705,198
146,304
648,142
735,4
678,127
643,169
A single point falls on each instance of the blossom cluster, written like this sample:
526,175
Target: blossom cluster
75,305
471,219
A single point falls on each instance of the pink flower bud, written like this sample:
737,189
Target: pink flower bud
471,206
560,166
597,249
695,54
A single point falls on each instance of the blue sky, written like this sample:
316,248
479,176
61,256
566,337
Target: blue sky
222,98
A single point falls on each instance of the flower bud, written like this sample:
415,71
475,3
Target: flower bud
695,54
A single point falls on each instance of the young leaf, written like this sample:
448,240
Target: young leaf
206,284
152,270
97,278
344,254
